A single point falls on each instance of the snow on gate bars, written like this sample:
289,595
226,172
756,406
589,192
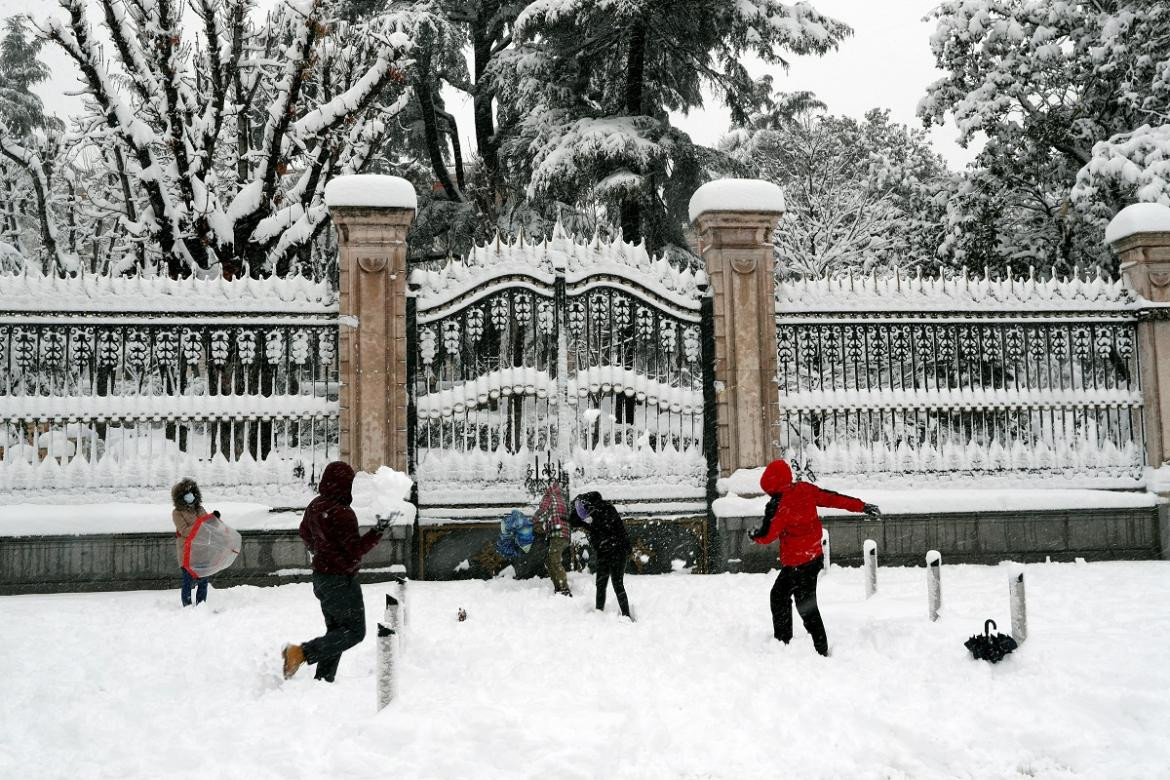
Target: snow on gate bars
1017,381
131,383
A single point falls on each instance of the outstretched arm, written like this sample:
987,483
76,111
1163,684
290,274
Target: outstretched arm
833,500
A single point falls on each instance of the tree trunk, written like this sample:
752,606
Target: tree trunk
483,39
631,210
456,149
426,101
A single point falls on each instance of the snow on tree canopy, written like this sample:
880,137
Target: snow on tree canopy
736,195
372,191
1138,218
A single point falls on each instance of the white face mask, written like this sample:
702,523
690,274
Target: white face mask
189,498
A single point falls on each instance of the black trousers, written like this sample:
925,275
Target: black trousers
799,584
345,622
612,569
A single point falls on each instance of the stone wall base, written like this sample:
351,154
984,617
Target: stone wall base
985,537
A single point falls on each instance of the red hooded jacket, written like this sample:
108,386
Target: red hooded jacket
794,521
330,528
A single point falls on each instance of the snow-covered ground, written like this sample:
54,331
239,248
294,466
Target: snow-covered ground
128,685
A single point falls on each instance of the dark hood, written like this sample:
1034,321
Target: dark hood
186,485
777,476
592,501
337,482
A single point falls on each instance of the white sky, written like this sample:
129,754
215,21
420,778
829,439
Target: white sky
887,63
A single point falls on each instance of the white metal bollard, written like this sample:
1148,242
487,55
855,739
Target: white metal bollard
825,549
389,652
869,550
387,670
934,583
1019,608
398,585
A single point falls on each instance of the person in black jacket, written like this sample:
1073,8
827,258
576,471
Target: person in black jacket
611,544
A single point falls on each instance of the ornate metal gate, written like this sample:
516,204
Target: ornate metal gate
584,354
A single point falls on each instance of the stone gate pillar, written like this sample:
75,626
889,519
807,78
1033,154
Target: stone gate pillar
1140,235
735,219
372,214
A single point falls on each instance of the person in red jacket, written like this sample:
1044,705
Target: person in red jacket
330,530
791,516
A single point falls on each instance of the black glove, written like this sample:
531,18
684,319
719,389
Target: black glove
872,512
759,533
216,513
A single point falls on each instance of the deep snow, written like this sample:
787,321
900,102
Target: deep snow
128,685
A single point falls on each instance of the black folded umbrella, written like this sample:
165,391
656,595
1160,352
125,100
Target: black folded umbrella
989,647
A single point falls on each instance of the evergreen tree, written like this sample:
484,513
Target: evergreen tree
587,88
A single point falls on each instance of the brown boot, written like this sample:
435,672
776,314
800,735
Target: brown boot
293,657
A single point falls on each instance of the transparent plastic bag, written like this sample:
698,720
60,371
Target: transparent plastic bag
211,547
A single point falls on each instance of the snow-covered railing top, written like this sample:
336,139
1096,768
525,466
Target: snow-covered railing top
541,261
956,292
34,292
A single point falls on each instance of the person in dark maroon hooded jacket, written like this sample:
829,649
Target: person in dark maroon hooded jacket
791,516
330,531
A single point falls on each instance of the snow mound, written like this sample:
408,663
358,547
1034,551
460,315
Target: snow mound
382,493
1138,218
736,195
1158,480
371,190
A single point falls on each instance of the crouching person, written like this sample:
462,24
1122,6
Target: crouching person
330,531
610,542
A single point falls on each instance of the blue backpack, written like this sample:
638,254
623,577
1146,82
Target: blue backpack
516,535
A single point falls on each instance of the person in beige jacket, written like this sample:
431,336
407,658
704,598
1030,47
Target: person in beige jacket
188,509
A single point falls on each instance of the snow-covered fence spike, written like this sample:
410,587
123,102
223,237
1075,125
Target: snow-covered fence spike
50,295
933,584
869,554
964,289
1019,607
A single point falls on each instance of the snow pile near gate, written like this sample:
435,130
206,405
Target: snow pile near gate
1158,480
371,190
382,493
1138,218
736,195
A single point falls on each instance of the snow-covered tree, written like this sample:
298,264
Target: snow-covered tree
28,150
859,194
221,137
1047,82
588,84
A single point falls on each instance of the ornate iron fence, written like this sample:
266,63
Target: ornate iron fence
1007,380
131,383
585,353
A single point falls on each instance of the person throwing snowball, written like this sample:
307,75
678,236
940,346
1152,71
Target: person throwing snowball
791,516
330,531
